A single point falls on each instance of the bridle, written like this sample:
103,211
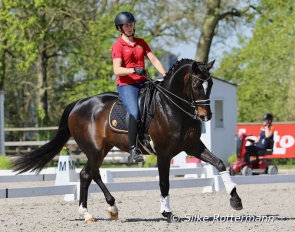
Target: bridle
193,103
192,99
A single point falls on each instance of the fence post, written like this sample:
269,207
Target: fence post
106,176
2,145
180,160
210,173
218,183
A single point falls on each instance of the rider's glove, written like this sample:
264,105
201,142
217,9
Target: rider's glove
140,71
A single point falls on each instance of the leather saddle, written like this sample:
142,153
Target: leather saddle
118,116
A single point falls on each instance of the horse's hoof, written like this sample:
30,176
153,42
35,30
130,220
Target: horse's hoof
166,214
113,216
113,212
236,203
89,220
169,216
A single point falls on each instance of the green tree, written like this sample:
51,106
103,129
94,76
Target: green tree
263,67
40,40
192,21
16,84
217,11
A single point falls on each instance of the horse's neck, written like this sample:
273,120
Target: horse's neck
175,99
176,83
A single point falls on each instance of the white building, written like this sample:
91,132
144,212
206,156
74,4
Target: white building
219,133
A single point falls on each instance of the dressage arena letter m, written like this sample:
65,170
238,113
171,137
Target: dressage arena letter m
63,166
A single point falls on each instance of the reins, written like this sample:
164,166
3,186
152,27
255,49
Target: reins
192,104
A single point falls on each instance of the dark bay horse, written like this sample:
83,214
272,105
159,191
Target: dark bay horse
182,103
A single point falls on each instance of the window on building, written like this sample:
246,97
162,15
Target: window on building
219,114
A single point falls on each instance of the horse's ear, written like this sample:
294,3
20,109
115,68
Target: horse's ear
210,65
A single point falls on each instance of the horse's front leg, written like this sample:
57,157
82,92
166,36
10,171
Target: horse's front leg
205,155
164,169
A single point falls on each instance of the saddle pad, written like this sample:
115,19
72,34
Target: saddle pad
117,117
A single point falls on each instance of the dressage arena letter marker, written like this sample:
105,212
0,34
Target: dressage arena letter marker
62,167
65,171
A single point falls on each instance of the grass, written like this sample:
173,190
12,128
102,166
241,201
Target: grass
232,158
286,166
5,162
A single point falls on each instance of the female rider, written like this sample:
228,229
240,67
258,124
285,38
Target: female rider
128,62
264,140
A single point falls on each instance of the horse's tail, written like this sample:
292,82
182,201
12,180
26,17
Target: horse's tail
37,159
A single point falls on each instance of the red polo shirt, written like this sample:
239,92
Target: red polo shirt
132,57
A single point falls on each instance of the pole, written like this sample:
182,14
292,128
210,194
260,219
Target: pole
2,139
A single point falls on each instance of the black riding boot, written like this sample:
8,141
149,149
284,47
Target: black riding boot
136,154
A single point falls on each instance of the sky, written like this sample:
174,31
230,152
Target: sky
185,50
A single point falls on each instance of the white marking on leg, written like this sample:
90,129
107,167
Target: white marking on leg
113,212
84,213
165,204
228,183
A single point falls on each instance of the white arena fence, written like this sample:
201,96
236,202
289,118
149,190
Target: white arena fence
108,176
67,182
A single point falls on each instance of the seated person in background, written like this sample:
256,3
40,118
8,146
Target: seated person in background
264,140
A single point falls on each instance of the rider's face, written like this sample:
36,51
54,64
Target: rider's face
265,122
128,28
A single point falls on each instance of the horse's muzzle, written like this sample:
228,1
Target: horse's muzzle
205,118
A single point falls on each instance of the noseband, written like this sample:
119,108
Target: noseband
192,99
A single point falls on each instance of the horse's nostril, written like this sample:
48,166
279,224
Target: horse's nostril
205,118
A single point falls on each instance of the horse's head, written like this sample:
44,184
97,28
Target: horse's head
199,87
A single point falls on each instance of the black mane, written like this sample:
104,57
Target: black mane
178,64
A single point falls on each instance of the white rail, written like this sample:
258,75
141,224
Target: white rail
210,182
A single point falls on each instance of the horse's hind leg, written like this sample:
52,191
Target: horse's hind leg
205,155
112,209
85,180
91,172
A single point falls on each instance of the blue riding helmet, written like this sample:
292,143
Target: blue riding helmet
267,117
124,18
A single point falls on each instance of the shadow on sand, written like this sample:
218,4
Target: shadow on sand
231,218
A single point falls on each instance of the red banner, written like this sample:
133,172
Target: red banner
284,138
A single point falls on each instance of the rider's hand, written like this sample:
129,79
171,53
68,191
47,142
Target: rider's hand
140,71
